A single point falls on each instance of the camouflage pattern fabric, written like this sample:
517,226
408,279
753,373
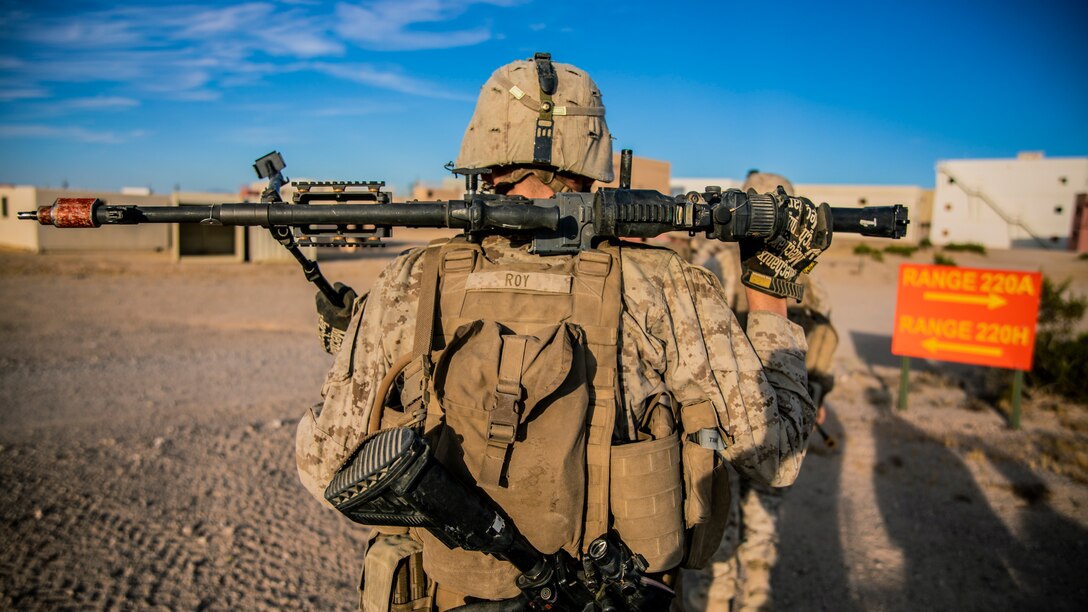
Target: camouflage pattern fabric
677,334
739,575
503,128
758,549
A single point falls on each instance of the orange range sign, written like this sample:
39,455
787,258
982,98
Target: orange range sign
968,315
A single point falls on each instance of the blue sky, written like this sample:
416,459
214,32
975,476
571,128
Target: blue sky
104,95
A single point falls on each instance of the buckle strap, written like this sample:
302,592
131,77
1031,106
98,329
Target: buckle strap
593,263
505,416
549,82
423,337
529,102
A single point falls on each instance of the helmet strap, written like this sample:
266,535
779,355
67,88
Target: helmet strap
549,82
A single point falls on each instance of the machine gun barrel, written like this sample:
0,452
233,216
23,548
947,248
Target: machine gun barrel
616,213
877,221
476,216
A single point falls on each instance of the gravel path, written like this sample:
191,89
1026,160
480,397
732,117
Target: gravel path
146,454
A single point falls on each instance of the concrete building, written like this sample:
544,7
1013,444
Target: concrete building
681,185
451,188
31,236
1030,201
919,203
646,173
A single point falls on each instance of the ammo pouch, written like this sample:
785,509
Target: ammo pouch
646,499
393,578
706,482
822,342
662,485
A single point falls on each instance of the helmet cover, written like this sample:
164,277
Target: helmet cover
518,122
766,182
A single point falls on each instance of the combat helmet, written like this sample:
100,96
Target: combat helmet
542,116
766,182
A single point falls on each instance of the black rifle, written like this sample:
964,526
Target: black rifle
392,479
360,214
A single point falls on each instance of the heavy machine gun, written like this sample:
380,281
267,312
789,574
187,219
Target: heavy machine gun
336,214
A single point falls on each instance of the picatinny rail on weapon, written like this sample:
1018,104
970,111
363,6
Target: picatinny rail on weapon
361,214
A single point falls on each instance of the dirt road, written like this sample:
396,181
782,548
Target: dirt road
146,453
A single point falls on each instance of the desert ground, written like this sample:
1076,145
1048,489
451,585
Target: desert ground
146,450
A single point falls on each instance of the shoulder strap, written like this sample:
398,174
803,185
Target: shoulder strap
424,333
428,299
599,314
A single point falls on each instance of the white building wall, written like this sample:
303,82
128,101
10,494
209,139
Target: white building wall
680,185
145,237
917,200
13,232
1003,203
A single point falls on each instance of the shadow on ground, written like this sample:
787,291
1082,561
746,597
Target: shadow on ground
958,553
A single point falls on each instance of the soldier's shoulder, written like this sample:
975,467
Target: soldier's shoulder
405,269
647,255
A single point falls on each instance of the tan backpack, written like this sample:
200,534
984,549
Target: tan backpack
520,388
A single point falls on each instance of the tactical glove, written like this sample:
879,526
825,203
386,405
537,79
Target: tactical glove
332,320
803,232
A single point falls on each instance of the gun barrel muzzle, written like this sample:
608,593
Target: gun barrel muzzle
876,221
66,212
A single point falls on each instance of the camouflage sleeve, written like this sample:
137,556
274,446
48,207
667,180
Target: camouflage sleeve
380,332
756,382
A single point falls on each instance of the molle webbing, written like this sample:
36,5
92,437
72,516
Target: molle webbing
603,339
591,300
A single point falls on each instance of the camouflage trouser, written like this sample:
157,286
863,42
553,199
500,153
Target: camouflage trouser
738,576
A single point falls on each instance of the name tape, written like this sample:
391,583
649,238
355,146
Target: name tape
524,281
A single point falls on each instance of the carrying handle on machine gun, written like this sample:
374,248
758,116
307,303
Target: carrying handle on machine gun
271,167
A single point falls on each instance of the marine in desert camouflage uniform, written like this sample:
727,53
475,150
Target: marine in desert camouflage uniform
739,575
677,333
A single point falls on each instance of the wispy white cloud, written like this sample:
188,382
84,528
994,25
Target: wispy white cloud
354,110
195,51
386,79
388,24
68,133
50,109
102,102
11,93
